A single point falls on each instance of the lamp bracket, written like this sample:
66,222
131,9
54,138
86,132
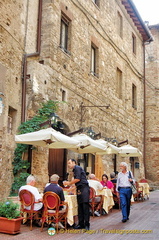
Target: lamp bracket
90,106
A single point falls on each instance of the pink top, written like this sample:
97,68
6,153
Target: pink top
107,184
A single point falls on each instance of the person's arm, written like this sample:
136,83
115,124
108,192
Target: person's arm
37,195
117,185
67,183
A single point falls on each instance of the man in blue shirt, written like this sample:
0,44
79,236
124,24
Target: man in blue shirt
54,187
82,187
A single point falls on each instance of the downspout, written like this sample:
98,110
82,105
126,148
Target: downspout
144,133
25,57
144,113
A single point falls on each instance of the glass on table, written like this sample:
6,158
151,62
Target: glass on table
65,183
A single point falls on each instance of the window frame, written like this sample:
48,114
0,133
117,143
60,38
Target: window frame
96,2
11,120
94,60
119,83
64,34
134,96
120,24
134,43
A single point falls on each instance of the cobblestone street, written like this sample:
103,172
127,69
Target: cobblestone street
144,220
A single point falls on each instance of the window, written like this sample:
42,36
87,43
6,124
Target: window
63,95
96,2
120,25
11,119
119,83
137,165
94,56
133,43
10,123
134,96
93,59
65,34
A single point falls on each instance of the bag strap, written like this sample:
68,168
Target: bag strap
130,176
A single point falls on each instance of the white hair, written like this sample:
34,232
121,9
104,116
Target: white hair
54,178
124,164
30,178
91,176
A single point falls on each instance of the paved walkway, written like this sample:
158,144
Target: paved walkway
143,224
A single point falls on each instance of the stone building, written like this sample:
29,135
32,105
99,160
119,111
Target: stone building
152,106
86,53
12,44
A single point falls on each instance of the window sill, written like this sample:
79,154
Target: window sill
65,50
96,5
135,108
94,74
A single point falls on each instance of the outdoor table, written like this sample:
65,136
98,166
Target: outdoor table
145,189
108,201
72,208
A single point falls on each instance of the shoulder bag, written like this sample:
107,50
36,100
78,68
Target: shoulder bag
133,187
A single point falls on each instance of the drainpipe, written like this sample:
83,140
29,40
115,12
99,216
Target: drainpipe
144,133
144,113
144,137
25,57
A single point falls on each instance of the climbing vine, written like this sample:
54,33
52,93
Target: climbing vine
21,166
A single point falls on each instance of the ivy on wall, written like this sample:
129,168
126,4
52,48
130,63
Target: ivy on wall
21,166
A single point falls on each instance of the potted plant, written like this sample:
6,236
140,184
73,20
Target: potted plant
10,219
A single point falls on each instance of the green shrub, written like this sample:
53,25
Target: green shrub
20,166
9,209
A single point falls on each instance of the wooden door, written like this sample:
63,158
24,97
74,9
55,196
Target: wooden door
56,164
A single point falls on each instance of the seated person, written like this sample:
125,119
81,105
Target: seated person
94,183
115,197
87,175
106,183
54,187
113,178
47,184
97,186
30,182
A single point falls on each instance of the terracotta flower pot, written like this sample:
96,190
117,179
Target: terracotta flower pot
10,226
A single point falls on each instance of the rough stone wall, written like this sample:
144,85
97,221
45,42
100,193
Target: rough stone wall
12,32
71,73
152,106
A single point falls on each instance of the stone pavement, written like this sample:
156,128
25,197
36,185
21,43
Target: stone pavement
143,224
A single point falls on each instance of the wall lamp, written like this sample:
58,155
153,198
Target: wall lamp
55,122
88,130
89,106
112,140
